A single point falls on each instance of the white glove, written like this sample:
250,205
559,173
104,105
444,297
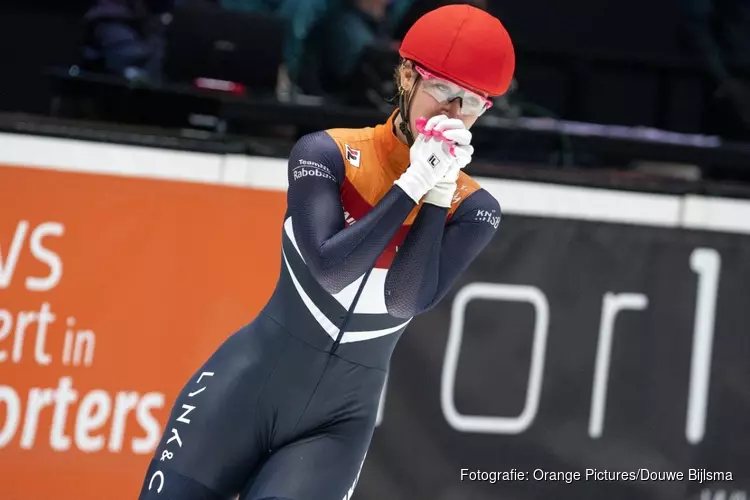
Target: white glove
431,159
453,131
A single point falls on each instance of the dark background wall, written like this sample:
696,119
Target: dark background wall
605,62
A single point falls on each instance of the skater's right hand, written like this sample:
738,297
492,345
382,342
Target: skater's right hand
432,157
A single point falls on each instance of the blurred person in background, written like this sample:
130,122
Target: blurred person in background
302,16
126,37
718,32
380,223
337,60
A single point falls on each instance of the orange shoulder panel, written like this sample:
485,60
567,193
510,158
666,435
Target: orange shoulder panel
363,169
465,187
370,179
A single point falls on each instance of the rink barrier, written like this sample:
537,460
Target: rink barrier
602,331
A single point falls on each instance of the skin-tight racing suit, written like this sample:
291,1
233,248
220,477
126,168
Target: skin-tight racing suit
286,406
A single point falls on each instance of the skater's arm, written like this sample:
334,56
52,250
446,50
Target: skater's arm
434,253
337,255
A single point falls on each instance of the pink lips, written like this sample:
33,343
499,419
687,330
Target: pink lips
422,122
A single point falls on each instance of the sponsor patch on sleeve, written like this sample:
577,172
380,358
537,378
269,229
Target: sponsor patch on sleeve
308,168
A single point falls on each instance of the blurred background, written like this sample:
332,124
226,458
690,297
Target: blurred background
604,85
621,158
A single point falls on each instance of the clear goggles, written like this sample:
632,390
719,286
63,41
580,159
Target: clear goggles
472,104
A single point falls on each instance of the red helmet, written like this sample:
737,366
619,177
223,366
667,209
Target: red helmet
463,44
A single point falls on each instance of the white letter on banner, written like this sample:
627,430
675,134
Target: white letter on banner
613,304
499,292
43,254
707,263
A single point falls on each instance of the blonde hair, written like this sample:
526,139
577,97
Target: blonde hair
405,67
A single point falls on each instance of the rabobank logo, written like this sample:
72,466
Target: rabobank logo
312,171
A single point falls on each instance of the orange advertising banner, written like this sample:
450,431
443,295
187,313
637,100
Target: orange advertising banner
113,291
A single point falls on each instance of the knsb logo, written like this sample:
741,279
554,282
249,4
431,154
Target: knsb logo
353,155
490,217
